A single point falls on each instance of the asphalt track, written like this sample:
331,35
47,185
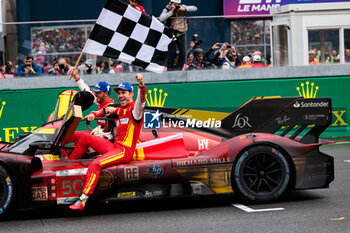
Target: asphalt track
319,210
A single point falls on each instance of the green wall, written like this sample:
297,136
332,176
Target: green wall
25,109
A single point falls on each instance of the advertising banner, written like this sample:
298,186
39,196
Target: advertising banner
23,111
261,8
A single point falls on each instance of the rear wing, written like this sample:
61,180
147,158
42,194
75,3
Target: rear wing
301,119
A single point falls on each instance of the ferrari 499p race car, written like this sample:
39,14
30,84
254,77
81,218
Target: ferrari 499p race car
262,149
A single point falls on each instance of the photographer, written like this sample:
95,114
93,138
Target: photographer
137,6
60,68
28,68
173,17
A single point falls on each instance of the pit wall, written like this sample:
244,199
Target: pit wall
26,103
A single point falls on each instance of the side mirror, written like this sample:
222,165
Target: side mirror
42,145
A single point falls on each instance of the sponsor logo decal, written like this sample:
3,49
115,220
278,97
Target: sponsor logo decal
153,193
257,5
40,193
314,116
106,179
203,144
126,194
154,120
241,121
282,120
296,105
156,171
156,100
67,200
322,104
131,173
196,162
307,91
151,120
72,172
124,121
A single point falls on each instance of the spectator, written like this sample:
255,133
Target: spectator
334,57
200,63
28,68
317,54
257,62
2,68
190,50
173,16
189,64
231,60
312,58
246,63
137,6
347,55
103,68
10,71
60,68
117,67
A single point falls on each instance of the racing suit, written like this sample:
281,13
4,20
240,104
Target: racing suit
129,124
100,106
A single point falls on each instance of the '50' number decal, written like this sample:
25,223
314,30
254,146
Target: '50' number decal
69,186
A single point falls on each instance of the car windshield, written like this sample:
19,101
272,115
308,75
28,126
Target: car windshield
23,144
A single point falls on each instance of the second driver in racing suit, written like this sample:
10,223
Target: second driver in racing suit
130,116
101,92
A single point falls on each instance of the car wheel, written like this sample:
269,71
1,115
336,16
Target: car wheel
6,192
261,174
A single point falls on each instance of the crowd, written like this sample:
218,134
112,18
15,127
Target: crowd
58,40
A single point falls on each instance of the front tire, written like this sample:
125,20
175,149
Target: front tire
261,174
6,192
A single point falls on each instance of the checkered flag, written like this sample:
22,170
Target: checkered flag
124,33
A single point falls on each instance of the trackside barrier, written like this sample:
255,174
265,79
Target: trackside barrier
26,103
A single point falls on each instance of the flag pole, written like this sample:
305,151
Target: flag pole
76,64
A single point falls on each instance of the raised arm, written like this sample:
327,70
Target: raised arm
81,84
137,112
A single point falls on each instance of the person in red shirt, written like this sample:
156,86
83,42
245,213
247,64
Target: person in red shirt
137,6
129,121
257,62
101,92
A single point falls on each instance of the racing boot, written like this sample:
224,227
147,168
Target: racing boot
78,205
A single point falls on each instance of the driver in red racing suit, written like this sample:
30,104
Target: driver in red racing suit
101,92
130,116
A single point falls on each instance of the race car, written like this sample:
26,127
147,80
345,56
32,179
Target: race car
259,151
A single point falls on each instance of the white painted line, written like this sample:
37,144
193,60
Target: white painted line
337,143
347,161
250,210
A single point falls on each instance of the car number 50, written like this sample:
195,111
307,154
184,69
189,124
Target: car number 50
68,186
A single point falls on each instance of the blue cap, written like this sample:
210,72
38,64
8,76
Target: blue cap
124,86
102,87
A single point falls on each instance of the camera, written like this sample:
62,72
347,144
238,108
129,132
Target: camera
61,66
196,42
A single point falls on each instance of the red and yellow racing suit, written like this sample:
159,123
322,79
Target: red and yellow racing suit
100,107
122,150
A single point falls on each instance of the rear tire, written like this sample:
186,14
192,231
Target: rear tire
7,194
261,174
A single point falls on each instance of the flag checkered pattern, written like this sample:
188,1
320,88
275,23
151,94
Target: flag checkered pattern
124,33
